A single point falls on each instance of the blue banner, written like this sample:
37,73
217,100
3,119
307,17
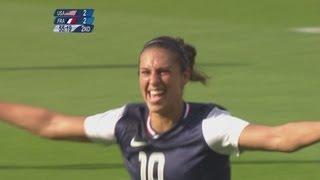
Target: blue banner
74,12
78,28
74,20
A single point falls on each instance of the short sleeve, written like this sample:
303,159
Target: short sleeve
101,127
221,131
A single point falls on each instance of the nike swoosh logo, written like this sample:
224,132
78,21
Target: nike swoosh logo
135,143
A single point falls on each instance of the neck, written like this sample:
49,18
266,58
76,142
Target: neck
164,121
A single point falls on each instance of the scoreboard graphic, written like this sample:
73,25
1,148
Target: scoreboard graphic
73,20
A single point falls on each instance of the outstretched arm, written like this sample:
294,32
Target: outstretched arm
43,122
284,138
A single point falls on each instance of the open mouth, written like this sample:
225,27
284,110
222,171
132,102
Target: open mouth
156,95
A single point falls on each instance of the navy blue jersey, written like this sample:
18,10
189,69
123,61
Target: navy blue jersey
189,150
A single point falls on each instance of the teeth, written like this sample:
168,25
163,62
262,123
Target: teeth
156,92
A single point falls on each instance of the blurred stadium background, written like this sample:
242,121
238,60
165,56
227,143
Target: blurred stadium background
262,70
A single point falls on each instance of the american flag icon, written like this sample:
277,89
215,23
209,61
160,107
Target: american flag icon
70,13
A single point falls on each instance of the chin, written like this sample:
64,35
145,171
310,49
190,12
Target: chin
156,108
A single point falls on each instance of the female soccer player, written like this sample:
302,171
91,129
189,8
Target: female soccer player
166,137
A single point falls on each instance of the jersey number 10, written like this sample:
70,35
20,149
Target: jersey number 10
147,165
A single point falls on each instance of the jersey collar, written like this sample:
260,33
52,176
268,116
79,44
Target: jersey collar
153,133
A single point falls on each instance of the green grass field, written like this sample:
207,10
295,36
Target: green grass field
261,71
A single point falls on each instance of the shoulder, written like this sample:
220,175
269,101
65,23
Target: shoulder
133,120
100,127
112,114
221,130
118,113
135,109
205,110
219,119
104,126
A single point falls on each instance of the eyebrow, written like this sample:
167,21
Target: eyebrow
161,68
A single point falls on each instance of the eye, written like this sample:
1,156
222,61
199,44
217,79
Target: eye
144,72
164,72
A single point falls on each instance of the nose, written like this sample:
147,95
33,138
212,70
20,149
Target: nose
155,78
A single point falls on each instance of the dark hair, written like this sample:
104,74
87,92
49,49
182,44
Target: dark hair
185,52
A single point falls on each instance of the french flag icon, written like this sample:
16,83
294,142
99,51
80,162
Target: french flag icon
72,20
